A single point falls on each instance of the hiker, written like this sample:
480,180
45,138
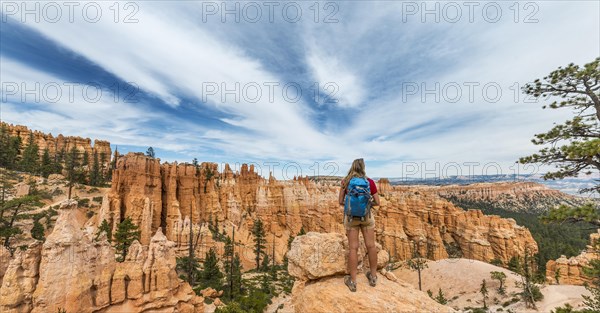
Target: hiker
357,194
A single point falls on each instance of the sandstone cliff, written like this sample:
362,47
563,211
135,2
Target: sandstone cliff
60,144
317,261
570,270
528,197
165,196
73,271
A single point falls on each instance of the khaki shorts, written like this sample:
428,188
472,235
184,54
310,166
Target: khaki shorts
357,223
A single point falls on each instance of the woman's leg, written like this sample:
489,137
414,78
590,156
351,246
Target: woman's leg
352,234
369,236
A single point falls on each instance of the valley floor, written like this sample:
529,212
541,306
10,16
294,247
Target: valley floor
460,281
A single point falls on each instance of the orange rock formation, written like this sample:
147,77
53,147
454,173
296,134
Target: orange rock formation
59,143
318,260
570,270
74,271
165,196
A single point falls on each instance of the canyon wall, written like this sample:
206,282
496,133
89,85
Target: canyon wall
60,144
520,196
75,271
409,218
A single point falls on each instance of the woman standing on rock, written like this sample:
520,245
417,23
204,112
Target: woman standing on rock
357,194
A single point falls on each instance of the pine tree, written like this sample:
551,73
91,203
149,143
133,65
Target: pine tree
37,231
126,233
12,211
47,167
265,263
417,263
531,292
441,298
113,163
30,161
211,224
211,275
233,269
501,277
86,159
104,228
195,163
265,283
59,160
258,232
228,264
484,292
514,264
5,186
227,256
593,271
74,173
95,174
188,269
237,275
302,231
103,176
573,145
4,145
14,147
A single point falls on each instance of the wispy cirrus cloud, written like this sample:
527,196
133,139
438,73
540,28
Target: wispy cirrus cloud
215,90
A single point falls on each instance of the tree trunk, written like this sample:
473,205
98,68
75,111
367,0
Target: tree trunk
10,225
419,271
231,264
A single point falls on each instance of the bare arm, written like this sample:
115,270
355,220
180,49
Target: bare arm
376,199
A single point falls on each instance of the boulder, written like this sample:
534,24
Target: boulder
318,261
316,255
330,295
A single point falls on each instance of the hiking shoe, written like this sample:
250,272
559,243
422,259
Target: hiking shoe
351,285
372,280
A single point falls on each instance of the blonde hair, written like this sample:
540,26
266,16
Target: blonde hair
357,169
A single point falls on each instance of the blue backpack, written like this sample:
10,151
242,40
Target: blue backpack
358,198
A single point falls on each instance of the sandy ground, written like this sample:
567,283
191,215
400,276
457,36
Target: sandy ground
281,300
460,281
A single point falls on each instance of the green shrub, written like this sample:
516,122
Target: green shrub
85,202
97,199
537,294
37,231
232,307
511,301
256,301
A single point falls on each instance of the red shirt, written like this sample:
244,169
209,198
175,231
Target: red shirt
372,186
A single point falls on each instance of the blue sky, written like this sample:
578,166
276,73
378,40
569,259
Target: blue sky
363,71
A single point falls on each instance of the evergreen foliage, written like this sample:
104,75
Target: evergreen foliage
126,233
